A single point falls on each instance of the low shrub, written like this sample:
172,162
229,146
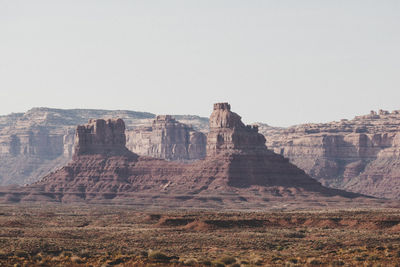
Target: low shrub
144,253
217,264
159,256
66,254
76,259
277,259
205,262
337,263
373,258
227,260
295,235
313,261
359,258
21,254
190,262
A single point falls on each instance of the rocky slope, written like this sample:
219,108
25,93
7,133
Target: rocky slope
361,155
238,170
36,142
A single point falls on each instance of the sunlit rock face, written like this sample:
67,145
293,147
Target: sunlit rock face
361,155
228,133
169,139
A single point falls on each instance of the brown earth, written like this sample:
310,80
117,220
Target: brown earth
103,235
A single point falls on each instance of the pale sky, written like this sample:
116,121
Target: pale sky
279,62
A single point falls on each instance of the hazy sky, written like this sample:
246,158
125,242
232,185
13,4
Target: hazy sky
279,62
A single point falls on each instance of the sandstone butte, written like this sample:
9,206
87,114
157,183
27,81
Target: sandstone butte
238,169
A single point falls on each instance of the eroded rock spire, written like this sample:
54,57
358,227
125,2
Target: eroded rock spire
228,132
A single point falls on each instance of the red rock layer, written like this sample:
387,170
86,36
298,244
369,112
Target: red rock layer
237,164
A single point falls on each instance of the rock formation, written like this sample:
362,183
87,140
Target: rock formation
238,168
168,139
361,155
101,137
41,140
228,133
240,151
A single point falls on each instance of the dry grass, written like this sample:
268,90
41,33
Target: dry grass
59,235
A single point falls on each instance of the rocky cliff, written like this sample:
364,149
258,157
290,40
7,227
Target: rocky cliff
238,170
41,140
105,137
168,139
361,155
228,133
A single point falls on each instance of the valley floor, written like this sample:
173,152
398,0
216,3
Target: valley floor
95,235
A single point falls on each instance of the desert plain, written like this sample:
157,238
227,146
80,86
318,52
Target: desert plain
116,235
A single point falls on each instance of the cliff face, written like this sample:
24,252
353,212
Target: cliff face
228,133
41,140
106,137
238,168
361,155
168,139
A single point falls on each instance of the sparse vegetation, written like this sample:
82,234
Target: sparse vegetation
217,264
158,256
227,260
110,236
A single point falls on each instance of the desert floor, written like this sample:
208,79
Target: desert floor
100,235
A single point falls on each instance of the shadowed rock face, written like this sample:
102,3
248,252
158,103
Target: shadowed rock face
238,166
105,137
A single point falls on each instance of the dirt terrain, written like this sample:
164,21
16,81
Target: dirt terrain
67,235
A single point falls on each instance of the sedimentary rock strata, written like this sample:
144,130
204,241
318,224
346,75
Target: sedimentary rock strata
103,137
238,168
168,139
361,155
228,133
41,140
